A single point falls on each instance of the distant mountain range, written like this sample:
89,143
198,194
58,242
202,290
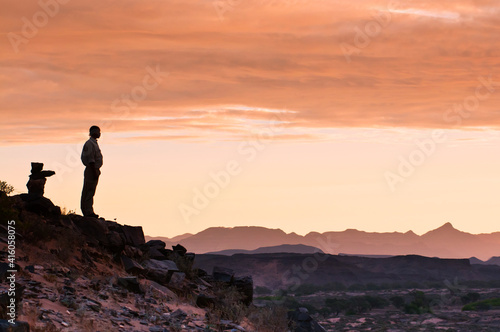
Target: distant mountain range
445,242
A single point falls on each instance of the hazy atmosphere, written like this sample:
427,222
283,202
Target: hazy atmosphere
300,115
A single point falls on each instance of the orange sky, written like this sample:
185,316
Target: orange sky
314,104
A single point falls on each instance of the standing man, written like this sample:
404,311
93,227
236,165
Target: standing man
92,159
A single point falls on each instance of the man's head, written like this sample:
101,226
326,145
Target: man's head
95,132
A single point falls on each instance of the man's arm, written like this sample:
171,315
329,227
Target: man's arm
94,169
88,154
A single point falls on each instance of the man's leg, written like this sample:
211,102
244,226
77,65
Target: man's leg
88,192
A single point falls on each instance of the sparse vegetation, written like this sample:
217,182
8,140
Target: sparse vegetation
269,319
356,304
259,290
34,229
7,212
230,306
482,305
66,212
470,297
397,301
308,289
6,188
419,305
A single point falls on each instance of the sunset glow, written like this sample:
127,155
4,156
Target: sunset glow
301,115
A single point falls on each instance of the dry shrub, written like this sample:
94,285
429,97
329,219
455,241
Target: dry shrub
269,319
229,305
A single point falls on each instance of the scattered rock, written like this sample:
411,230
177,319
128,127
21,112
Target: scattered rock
178,314
205,301
132,251
94,305
222,274
6,326
177,279
179,249
157,244
130,265
30,268
94,229
131,284
303,322
154,253
160,270
114,241
245,287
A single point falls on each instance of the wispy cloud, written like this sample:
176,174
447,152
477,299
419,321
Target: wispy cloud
225,76
454,16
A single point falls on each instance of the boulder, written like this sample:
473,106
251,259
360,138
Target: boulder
130,265
130,283
177,279
179,249
6,326
154,253
93,305
40,205
222,274
93,228
4,268
5,299
169,253
205,301
183,260
158,244
156,264
160,290
134,235
303,322
115,241
160,271
245,286
188,260
132,251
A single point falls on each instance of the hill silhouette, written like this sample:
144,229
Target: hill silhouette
267,269
445,241
284,248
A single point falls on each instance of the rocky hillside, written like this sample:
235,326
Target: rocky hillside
75,273
284,270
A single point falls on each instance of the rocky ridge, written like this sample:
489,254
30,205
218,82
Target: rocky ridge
77,273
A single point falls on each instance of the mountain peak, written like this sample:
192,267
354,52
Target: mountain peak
447,226
446,230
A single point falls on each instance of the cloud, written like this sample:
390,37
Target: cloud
454,16
261,56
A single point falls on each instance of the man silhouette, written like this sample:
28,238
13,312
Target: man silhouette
92,159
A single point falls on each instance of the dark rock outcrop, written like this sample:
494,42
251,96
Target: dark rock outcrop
160,271
95,247
130,283
131,266
6,326
205,300
223,274
303,322
134,235
245,286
